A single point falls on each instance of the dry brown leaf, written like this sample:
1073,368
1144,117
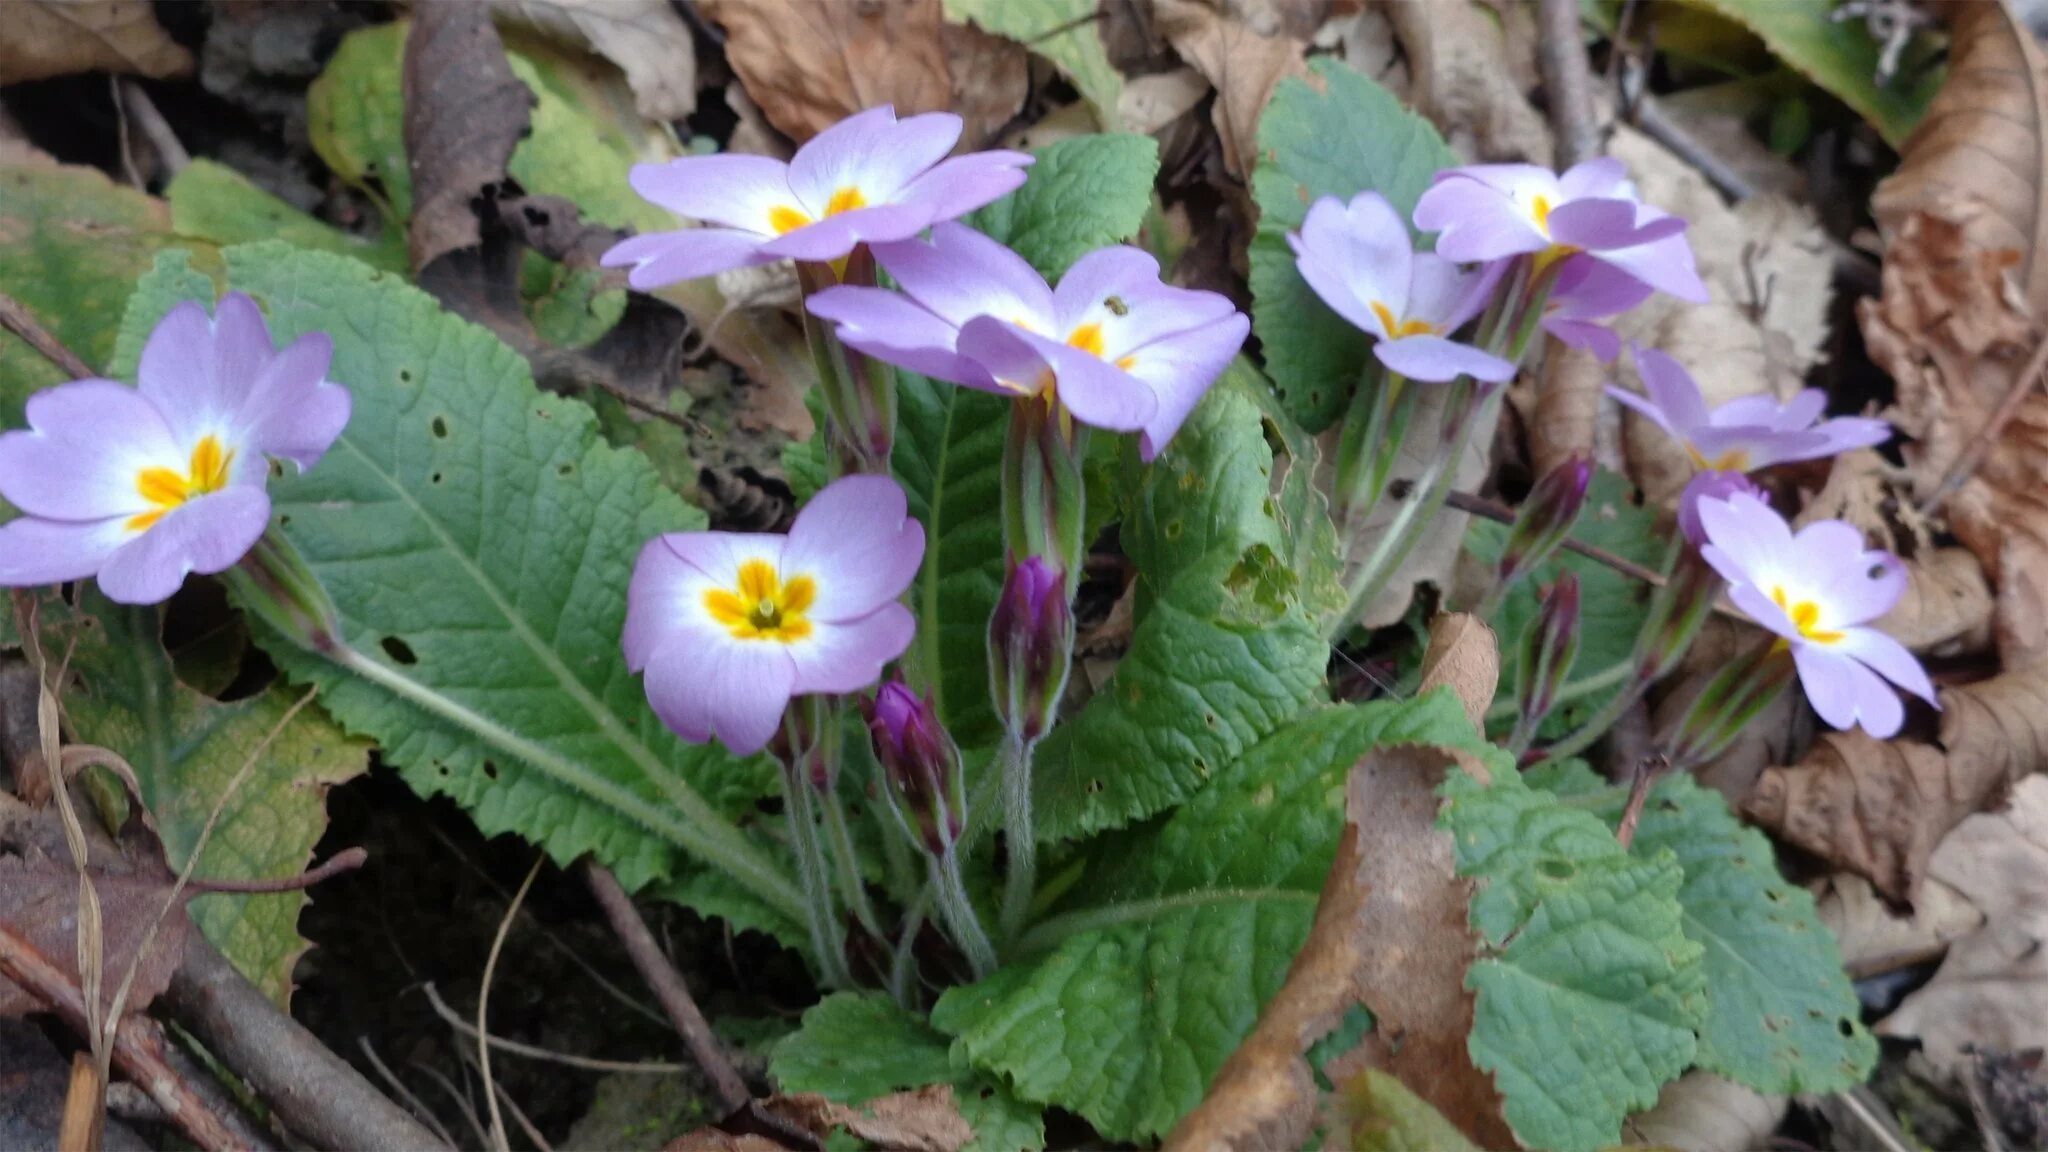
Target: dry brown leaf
1992,991
1977,157
58,37
464,114
1876,938
1701,1112
1464,656
811,63
1947,605
1462,79
1244,63
925,1120
1150,103
647,39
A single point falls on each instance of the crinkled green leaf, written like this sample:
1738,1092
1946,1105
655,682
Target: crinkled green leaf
854,1047
1064,32
1782,1016
1210,490
1173,937
72,243
213,202
1334,134
186,748
1082,193
1611,606
1588,992
1839,55
477,537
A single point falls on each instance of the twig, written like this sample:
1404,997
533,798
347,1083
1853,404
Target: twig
1638,792
1567,81
134,101
668,987
642,404
461,1098
121,142
1981,444
417,1106
1980,1108
346,860
139,1049
1501,513
83,1126
16,319
1864,1116
313,1092
483,1005
1655,123
531,1052
533,1136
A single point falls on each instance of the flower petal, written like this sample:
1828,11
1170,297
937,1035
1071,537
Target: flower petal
1587,289
1665,265
84,452
1842,434
1600,176
205,535
961,274
664,601
1476,222
835,236
1845,693
1439,361
664,258
873,152
35,551
1857,586
1642,407
1594,338
1752,540
1099,394
1446,295
1151,310
893,328
294,412
1180,370
1671,388
729,189
960,185
734,690
1889,659
848,655
199,374
1751,599
857,540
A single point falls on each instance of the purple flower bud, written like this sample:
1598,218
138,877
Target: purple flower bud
1031,643
920,763
1549,648
1546,517
1708,486
1730,702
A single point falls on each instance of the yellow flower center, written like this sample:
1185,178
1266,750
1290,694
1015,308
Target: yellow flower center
1398,328
1805,617
762,606
163,487
785,218
1733,460
1541,211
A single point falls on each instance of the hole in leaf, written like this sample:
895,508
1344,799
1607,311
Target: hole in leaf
1556,869
439,427
1093,786
490,770
1847,1026
399,651
565,469
405,375
434,479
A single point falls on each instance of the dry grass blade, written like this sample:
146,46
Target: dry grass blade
567,1060
483,1004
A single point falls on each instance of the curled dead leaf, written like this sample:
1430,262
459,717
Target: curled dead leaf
1244,63
1701,1112
59,37
1876,938
647,39
812,63
1462,78
1947,605
925,1120
464,114
1464,656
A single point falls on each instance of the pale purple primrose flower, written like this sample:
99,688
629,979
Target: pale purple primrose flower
1485,212
728,627
1360,258
1708,486
1817,590
1748,433
1116,347
1587,291
870,178
141,486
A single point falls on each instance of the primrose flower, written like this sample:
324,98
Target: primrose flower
1708,486
1586,291
870,178
141,486
728,627
1361,260
1114,345
1486,212
1816,590
1745,434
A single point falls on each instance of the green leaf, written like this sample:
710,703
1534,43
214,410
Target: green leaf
1611,606
854,1047
477,537
1839,55
186,748
1782,1016
1225,651
1178,934
1334,134
215,203
1379,1114
1082,193
72,243
1588,992
171,278
1077,48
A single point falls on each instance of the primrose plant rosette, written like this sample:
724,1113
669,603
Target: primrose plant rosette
141,486
728,627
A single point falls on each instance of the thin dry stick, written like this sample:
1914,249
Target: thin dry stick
16,319
668,987
533,1135
170,151
1501,513
346,860
483,1005
1567,81
1981,444
459,1095
414,1104
515,1048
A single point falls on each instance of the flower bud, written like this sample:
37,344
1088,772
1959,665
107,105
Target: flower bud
1549,648
1546,517
920,764
1730,702
275,584
1031,643
1708,486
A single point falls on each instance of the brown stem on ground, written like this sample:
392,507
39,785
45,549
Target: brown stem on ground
313,1092
16,319
668,986
141,1052
1567,81
346,860
1647,770
1987,437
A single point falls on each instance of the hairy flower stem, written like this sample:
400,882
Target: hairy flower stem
1370,442
957,910
1402,533
840,836
903,960
1020,837
859,391
819,914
